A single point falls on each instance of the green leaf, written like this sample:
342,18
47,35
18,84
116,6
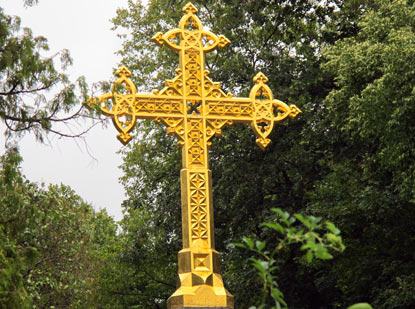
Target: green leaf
275,226
260,265
280,212
332,228
309,245
300,218
277,294
360,306
240,245
322,253
249,242
332,238
260,245
309,256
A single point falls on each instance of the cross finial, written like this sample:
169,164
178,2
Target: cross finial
260,78
190,34
123,72
189,8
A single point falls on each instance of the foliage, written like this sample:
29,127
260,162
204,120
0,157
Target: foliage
13,260
369,136
50,240
12,292
105,250
34,94
314,237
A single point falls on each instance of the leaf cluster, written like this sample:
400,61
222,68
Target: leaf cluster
316,238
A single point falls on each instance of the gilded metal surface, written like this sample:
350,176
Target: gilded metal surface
194,109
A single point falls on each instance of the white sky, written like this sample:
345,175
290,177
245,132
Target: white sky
82,27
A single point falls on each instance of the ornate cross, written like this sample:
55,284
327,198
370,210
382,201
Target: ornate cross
194,109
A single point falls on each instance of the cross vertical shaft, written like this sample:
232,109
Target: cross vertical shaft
200,281
194,109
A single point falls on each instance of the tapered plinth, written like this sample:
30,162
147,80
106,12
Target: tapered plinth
200,296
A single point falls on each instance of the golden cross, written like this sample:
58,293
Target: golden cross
194,109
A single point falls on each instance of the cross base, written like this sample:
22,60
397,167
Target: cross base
200,296
201,285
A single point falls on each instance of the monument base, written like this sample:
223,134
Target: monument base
200,296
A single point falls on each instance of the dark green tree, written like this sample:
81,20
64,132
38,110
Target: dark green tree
12,260
370,144
53,244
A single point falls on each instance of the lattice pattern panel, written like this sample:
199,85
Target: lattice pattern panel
199,205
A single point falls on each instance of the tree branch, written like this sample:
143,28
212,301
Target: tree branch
12,92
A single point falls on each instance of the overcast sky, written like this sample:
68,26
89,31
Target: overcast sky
82,27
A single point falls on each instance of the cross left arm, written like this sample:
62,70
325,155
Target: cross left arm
125,108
